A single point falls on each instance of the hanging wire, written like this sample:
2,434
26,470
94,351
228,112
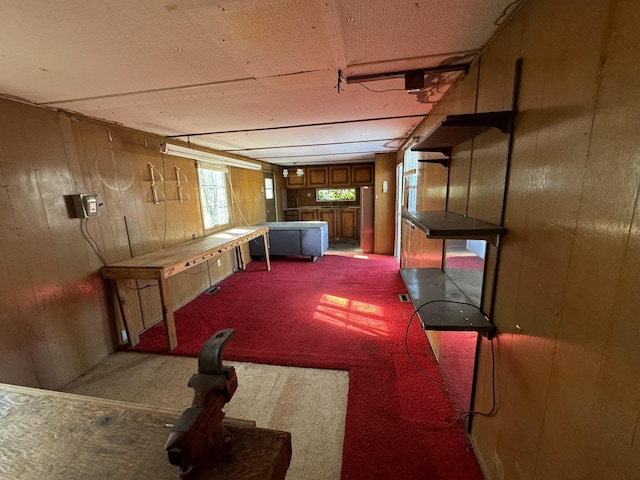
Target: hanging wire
381,91
235,199
94,245
492,411
406,344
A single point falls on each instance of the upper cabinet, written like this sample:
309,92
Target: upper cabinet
317,177
294,181
362,174
340,176
332,176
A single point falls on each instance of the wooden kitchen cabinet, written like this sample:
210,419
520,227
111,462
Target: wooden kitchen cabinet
294,181
307,215
317,177
291,216
348,223
329,215
362,175
340,176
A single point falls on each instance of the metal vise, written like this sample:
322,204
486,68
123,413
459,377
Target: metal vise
200,430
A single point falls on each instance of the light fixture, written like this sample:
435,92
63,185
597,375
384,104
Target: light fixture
206,157
299,171
414,79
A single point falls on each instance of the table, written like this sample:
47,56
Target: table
54,435
163,264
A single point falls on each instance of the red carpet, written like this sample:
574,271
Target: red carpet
340,313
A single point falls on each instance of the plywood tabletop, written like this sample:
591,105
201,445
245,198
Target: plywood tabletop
54,435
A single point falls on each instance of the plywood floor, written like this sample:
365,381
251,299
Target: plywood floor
309,403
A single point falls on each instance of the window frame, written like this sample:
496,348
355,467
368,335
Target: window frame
354,199
200,167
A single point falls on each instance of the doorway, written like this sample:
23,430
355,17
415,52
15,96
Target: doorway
270,196
399,202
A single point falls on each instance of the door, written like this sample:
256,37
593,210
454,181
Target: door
399,197
270,196
367,227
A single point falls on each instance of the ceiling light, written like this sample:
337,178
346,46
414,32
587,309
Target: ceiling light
285,172
206,157
416,75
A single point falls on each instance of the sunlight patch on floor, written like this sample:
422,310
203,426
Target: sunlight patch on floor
352,315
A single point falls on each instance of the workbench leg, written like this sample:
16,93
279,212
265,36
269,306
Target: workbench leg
265,242
240,258
125,312
167,313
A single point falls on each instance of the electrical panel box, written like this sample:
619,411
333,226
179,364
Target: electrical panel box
86,205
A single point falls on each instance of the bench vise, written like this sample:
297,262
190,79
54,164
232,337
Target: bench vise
199,430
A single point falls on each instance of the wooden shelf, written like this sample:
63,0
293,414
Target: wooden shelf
433,285
451,225
444,161
456,129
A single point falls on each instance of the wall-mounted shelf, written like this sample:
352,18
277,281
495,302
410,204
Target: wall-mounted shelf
455,129
444,161
451,225
443,313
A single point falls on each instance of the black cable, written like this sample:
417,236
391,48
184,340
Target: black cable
338,85
493,388
381,91
94,245
207,268
142,288
406,336
406,346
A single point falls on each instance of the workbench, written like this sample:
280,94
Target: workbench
163,264
54,435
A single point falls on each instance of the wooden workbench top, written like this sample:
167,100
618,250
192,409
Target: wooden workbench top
54,435
184,255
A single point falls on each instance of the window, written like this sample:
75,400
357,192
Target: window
268,188
411,178
213,196
335,194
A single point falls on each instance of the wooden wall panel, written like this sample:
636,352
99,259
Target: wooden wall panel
568,396
57,312
385,204
566,260
15,341
461,101
601,237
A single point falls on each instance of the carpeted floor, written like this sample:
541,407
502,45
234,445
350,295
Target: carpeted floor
341,312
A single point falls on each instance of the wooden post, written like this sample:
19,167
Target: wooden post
167,313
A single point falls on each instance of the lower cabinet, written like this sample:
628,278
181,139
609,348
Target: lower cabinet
349,225
307,215
291,216
329,216
343,223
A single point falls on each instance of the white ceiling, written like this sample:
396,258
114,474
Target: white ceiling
254,77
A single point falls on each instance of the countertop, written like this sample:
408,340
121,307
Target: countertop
316,207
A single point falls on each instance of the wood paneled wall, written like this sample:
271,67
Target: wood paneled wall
567,362
384,204
57,315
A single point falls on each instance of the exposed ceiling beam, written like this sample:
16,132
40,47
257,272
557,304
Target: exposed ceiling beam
304,125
